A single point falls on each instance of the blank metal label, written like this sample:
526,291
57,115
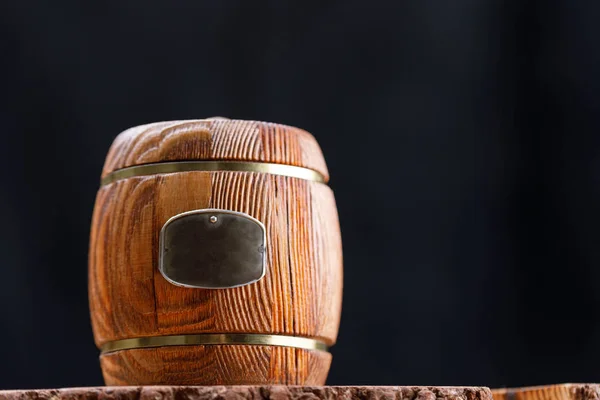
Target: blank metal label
212,249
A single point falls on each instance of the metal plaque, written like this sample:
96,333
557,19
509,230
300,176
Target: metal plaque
212,249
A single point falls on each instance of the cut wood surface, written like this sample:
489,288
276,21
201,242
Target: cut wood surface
567,391
215,139
254,393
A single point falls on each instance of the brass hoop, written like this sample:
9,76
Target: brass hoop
215,339
187,166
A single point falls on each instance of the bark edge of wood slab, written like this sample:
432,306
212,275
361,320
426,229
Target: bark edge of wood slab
564,391
254,393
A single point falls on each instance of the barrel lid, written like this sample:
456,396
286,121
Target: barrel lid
215,139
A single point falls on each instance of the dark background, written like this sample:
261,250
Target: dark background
461,136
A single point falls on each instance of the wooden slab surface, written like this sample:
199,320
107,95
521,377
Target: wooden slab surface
253,393
566,391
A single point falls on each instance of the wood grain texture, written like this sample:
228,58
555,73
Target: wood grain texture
215,139
216,365
567,391
300,294
254,392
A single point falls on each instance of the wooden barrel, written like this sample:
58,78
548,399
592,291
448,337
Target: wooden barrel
215,256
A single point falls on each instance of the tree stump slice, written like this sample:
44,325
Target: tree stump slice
567,391
253,393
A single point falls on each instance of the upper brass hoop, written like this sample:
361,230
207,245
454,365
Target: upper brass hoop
187,166
215,339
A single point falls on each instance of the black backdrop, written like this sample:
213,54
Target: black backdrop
461,136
